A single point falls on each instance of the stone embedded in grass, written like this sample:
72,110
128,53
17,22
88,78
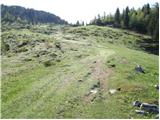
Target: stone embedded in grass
58,45
138,68
157,87
137,103
113,91
151,108
22,43
94,91
97,85
141,112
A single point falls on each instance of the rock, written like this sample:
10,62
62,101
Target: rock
93,91
152,108
138,68
141,112
157,87
58,45
113,91
22,43
137,103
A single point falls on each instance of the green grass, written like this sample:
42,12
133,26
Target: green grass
32,90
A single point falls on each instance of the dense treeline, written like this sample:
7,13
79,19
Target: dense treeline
143,20
19,14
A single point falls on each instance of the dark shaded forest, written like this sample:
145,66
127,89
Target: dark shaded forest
22,15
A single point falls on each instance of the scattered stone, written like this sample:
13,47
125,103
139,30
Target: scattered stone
141,112
94,91
138,68
97,85
22,43
152,108
113,91
157,87
58,45
137,103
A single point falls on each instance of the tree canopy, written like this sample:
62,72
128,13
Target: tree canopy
143,20
20,14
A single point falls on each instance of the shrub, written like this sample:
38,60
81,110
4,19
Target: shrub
47,63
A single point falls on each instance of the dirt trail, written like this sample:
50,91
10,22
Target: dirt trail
101,74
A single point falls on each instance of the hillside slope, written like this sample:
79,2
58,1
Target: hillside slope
67,72
20,14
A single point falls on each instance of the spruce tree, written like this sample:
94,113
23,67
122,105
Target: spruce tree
126,17
117,18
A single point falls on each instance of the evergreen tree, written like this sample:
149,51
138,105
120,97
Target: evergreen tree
146,9
126,18
82,23
117,18
99,22
77,23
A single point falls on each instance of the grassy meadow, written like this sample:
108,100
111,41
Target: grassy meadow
48,71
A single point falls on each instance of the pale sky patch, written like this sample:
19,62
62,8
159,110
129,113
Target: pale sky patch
82,10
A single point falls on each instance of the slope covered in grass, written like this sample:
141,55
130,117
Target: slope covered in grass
66,72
